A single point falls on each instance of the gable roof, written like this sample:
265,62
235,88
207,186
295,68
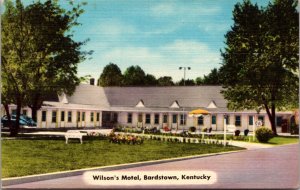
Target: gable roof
89,95
152,97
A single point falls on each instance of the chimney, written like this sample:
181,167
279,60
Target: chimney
92,81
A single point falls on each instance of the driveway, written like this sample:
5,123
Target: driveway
275,167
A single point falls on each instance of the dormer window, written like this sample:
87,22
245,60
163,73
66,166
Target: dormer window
212,104
63,98
175,104
140,104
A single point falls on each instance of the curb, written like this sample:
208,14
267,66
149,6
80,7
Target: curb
54,175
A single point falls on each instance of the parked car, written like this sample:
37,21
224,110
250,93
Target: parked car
25,121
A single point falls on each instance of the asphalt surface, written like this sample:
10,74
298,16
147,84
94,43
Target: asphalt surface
265,168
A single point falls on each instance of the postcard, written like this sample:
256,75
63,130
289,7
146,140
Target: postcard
138,94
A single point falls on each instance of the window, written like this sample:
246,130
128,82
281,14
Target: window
182,119
44,113
237,120
62,116
156,118
140,118
78,116
250,120
83,116
115,117
213,119
174,118
200,120
24,112
129,118
69,116
98,117
148,118
227,118
165,119
92,117
53,116
262,119
278,121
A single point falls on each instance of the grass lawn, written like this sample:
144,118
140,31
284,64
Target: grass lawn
280,140
27,156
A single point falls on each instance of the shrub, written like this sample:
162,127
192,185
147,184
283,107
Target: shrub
294,128
263,134
192,129
204,129
237,133
246,132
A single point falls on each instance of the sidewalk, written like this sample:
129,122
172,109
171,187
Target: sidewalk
250,146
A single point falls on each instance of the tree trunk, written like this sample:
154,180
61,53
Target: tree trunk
273,122
10,126
272,117
37,104
34,113
15,129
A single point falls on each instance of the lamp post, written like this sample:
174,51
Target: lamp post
257,123
184,69
225,128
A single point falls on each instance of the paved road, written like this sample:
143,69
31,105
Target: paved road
276,167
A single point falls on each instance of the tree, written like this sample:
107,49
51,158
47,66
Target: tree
188,82
150,80
199,81
165,81
212,78
260,60
38,56
111,76
134,76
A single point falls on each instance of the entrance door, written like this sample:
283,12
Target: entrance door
78,123
284,126
140,120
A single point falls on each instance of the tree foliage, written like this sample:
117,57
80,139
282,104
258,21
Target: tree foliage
150,80
134,76
260,60
165,81
39,55
212,78
187,82
111,76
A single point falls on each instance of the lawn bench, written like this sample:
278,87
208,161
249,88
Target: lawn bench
73,135
231,128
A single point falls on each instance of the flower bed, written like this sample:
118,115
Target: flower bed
125,139
175,139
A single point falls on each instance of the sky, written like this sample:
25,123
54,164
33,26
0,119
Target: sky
158,35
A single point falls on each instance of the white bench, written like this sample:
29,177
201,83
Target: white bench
231,128
73,135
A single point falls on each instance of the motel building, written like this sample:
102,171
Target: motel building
104,107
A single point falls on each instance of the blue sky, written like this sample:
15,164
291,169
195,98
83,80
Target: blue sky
159,36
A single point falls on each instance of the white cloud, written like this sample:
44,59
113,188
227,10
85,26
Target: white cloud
164,60
112,27
183,10
163,9
214,27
